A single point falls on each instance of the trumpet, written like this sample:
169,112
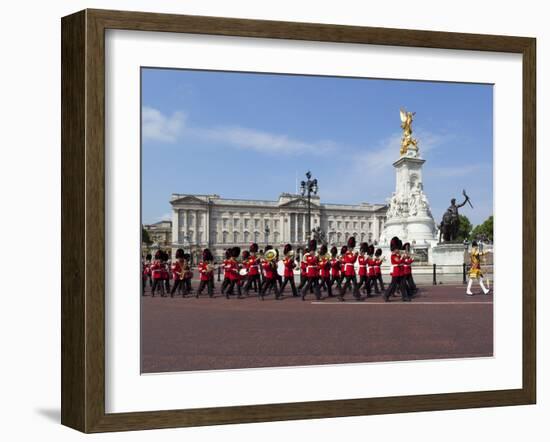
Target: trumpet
290,254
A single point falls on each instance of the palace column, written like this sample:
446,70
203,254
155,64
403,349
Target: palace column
207,226
197,214
304,228
175,226
376,228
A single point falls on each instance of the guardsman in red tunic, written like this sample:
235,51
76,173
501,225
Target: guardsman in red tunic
157,273
335,268
324,269
348,261
303,272
188,274
378,260
226,270
289,265
362,261
396,271
312,272
371,275
253,277
233,272
269,268
408,280
206,271
178,273
146,273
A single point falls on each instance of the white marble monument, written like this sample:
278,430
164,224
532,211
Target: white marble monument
409,216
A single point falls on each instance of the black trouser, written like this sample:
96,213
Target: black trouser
409,281
270,284
252,280
167,285
303,280
373,282
337,280
397,283
326,283
178,284
231,288
225,284
364,282
187,286
349,281
312,283
158,283
289,279
209,283
279,279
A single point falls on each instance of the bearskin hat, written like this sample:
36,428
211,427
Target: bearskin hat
474,243
344,250
312,245
351,242
333,251
227,253
363,247
158,254
378,252
235,252
407,246
187,256
245,254
323,250
395,243
370,250
306,250
268,247
148,257
253,248
207,255
179,254
288,248
165,256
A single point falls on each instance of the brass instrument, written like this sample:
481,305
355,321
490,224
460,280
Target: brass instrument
290,254
270,255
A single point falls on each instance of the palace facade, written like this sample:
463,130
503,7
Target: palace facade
200,221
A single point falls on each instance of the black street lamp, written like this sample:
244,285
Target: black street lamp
266,231
308,188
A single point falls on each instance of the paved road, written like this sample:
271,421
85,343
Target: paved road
207,334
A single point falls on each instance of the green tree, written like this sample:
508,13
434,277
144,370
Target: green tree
484,230
464,228
145,236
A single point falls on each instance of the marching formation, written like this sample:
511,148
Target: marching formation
264,273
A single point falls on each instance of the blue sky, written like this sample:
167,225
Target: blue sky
244,135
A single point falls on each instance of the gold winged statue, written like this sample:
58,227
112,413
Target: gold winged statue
407,141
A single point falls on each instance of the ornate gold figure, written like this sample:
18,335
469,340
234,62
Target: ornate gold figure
407,141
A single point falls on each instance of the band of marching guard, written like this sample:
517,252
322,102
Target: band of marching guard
256,271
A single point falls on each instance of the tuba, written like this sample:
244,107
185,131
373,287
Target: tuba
270,255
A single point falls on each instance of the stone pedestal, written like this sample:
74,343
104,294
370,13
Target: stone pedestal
449,256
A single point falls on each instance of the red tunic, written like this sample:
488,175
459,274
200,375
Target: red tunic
177,270
156,269
324,268
226,267
362,259
267,269
371,262
377,264
335,267
407,261
289,267
253,266
203,270
396,265
303,266
312,266
349,263
232,269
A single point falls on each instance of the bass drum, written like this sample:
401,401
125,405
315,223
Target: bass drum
281,268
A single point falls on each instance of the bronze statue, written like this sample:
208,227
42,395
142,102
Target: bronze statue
407,141
448,229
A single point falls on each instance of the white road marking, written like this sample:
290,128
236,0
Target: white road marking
398,302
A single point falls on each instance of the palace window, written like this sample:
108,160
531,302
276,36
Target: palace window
224,237
246,222
224,223
256,223
246,237
235,237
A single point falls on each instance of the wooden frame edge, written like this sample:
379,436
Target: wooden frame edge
83,199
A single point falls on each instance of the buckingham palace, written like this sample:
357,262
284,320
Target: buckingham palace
200,221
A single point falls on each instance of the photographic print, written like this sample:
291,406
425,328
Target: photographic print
298,220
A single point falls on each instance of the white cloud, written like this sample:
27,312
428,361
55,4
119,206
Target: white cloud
169,129
159,127
266,142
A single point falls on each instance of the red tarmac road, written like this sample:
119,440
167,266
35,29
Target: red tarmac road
208,334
